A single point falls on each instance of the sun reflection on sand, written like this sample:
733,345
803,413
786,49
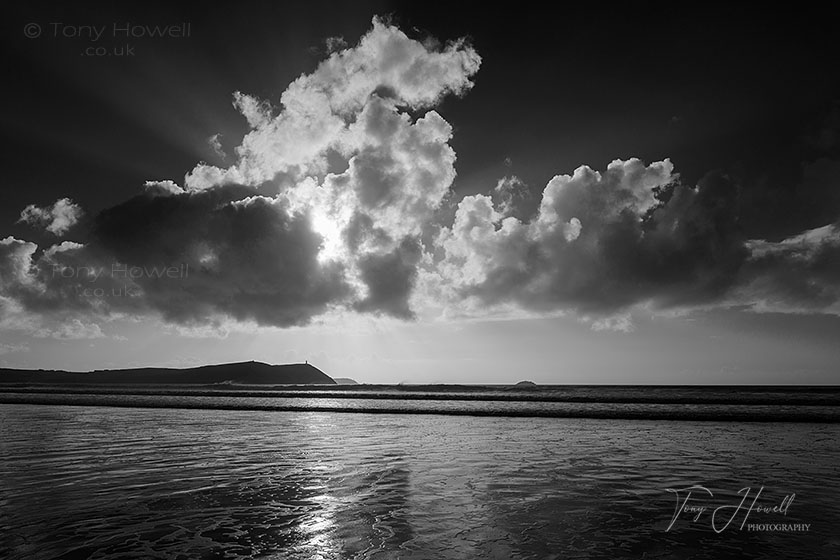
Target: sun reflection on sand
320,528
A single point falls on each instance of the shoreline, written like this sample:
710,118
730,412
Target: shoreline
595,410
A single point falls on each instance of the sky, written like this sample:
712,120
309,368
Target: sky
405,193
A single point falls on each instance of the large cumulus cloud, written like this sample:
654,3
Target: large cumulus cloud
324,206
603,242
355,146
317,107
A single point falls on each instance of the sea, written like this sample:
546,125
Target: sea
567,472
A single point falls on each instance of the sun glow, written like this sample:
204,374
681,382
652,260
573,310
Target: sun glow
329,229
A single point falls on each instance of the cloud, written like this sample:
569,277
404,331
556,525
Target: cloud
798,274
162,188
215,144
634,235
11,348
219,252
16,262
235,254
73,329
600,243
355,146
317,107
334,44
398,175
621,323
56,219
510,193
390,279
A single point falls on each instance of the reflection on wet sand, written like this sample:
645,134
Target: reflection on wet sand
100,483
124,497
365,511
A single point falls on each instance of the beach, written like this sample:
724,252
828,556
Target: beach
106,482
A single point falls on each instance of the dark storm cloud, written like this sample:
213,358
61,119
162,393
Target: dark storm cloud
190,256
390,279
248,256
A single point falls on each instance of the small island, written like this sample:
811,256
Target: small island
527,386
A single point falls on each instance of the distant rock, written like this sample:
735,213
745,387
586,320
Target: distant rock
240,373
345,381
526,385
